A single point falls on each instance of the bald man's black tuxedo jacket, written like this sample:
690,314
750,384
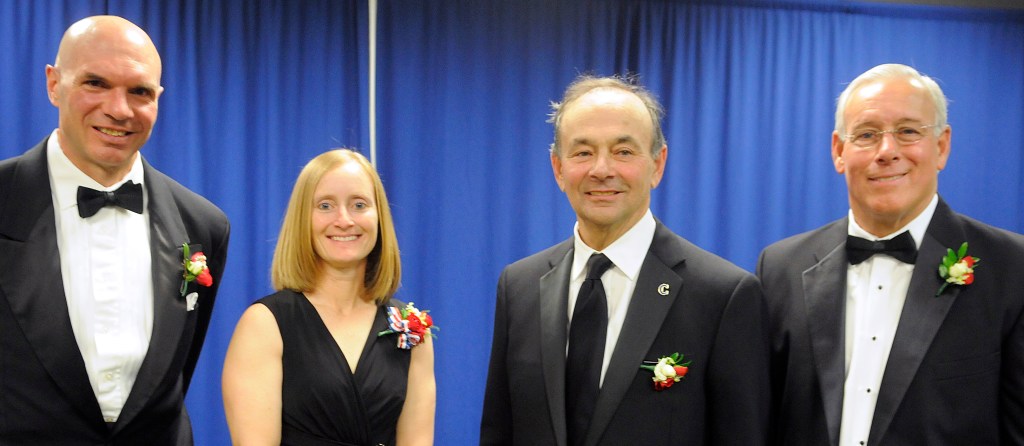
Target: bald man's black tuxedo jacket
712,313
955,374
45,395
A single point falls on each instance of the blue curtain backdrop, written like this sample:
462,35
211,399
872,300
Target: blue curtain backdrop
255,89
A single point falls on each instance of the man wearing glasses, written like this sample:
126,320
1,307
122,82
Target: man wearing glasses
902,323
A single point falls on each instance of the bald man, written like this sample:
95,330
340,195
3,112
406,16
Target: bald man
100,323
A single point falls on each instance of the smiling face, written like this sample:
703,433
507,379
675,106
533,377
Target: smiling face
105,84
344,218
891,183
604,163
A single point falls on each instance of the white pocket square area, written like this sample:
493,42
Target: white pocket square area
191,300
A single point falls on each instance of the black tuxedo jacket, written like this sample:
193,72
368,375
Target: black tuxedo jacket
45,395
955,374
712,313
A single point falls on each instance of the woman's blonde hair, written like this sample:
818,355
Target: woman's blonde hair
296,264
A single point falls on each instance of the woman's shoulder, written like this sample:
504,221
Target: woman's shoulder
283,297
392,302
284,302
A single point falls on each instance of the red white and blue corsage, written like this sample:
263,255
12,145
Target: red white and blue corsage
411,324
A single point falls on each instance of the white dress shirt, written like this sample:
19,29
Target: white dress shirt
108,283
875,292
627,255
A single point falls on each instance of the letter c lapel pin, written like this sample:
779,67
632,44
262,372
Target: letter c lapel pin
663,289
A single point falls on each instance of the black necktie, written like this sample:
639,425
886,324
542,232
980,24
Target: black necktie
128,196
902,247
587,333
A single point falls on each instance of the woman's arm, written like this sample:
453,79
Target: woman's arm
416,424
251,383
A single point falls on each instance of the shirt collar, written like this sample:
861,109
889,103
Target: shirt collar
917,227
627,253
65,177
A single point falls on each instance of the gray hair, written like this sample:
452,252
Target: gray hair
587,83
886,72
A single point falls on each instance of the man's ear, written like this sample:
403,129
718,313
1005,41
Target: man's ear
838,145
944,146
659,166
556,168
52,79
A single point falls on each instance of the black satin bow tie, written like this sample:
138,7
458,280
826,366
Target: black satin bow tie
902,247
128,196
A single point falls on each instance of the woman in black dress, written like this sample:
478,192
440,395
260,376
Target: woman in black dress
331,358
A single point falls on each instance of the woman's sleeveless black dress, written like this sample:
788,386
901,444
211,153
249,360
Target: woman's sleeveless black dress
323,403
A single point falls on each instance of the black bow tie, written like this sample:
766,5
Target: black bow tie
902,247
128,196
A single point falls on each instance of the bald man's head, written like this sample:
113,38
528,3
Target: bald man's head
104,30
105,82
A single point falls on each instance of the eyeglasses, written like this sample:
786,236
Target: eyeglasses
869,138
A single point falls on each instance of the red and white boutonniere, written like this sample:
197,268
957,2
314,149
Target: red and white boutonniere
957,268
195,269
667,370
411,324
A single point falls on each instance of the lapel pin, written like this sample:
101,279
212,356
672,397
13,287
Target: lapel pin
663,289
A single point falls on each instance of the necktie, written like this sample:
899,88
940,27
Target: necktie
902,247
587,333
128,196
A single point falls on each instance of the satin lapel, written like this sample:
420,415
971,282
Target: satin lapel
31,280
166,235
554,319
824,287
921,318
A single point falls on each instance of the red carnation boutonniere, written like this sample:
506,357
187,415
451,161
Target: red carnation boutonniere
957,268
667,370
411,324
195,269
